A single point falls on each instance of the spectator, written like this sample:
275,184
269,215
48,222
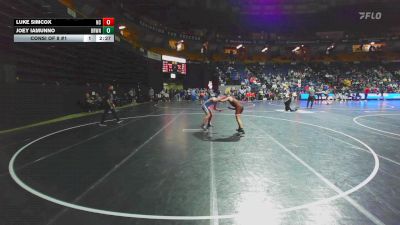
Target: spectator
288,101
131,95
109,105
89,103
366,92
151,94
311,96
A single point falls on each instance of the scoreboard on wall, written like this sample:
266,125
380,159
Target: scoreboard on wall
173,64
64,30
174,67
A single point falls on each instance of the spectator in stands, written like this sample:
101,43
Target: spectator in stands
382,91
89,103
182,94
296,77
193,95
166,96
98,101
358,91
158,98
131,95
151,94
202,96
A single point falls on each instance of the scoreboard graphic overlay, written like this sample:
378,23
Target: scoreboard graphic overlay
64,30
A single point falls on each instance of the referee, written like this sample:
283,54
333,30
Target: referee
311,97
109,105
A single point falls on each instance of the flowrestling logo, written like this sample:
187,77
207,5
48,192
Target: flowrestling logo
370,15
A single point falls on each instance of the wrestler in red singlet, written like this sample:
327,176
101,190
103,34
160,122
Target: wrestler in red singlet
238,110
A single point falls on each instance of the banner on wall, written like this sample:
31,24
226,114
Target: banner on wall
153,55
370,47
164,30
172,86
387,96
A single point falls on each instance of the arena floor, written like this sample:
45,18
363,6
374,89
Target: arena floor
334,164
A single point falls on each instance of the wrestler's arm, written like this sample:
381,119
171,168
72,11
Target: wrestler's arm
225,99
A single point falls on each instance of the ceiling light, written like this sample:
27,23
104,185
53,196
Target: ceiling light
264,49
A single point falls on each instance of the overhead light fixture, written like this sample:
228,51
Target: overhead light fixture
239,46
121,27
180,45
330,48
264,49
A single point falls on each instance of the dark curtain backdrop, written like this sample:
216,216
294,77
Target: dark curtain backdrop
155,77
26,103
198,75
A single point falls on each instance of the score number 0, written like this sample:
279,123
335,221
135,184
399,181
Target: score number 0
108,21
108,25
